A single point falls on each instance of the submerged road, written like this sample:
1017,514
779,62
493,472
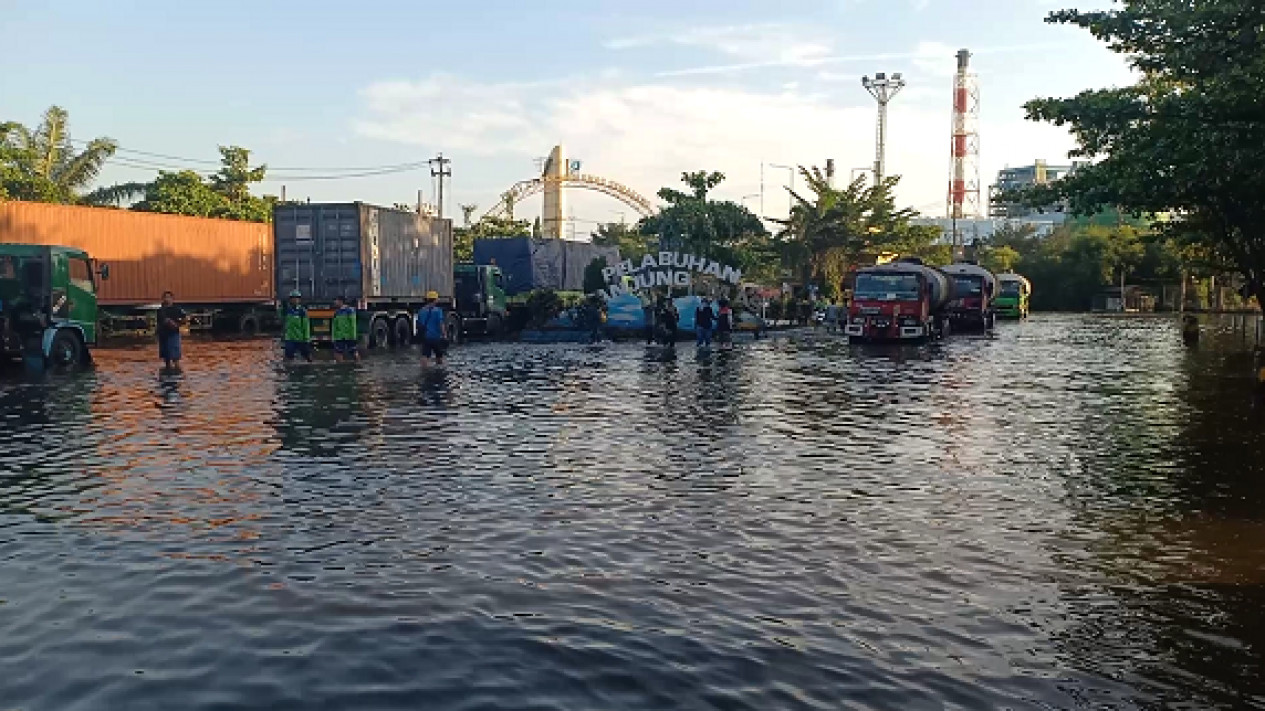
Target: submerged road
1068,515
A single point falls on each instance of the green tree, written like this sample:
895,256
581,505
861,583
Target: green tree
719,229
999,259
1187,138
593,279
225,195
182,193
631,243
834,228
42,163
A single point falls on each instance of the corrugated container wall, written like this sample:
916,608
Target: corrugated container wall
360,251
203,261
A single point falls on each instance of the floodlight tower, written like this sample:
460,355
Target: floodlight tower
883,89
964,177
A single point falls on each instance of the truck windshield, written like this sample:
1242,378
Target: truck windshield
1010,288
968,286
886,287
466,285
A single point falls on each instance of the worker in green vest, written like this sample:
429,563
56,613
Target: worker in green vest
297,336
342,331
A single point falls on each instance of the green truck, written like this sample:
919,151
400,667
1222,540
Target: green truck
48,303
1013,293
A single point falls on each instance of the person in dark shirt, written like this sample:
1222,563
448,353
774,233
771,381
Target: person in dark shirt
666,321
725,325
170,317
704,322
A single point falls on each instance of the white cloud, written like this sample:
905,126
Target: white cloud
644,135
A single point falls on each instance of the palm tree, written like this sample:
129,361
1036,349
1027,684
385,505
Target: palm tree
48,156
838,225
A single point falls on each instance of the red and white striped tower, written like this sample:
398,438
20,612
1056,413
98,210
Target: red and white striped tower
964,178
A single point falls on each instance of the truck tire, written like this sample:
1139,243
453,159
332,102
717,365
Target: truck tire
402,332
67,349
454,328
494,325
379,333
248,325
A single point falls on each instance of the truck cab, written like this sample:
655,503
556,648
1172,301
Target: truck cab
899,301
480,298
48,303
1012,296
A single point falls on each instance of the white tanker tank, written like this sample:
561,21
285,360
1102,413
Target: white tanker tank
941,286
968,270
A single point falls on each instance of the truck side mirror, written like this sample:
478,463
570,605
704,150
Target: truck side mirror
103,270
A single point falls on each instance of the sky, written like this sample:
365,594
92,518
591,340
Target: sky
639,92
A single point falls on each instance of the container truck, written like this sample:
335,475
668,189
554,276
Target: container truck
974,288
1014,291
48,303
220,270
383,261
900,301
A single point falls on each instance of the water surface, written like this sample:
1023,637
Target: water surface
1068,515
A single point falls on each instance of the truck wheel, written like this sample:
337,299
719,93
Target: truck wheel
454,328
402,334
494,325
67,349
379,333
248,325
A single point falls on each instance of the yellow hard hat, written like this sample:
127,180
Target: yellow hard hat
432,295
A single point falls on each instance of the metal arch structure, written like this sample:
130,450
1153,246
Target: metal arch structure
524,189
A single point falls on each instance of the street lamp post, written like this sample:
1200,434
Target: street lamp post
790,170
883,89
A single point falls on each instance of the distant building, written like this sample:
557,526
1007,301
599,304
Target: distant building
981,229
1039,173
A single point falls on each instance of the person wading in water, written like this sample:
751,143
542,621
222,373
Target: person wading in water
725,325
704,322
433,330
170,317
297,333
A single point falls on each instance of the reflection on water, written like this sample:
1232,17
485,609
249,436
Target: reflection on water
1066,515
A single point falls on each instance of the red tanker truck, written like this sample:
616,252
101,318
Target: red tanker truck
900,301
974,289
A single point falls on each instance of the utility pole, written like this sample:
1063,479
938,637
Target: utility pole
883,89
439,169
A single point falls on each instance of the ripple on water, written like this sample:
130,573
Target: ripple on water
1063,516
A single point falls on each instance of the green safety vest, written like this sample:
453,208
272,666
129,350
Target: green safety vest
298,327
343,327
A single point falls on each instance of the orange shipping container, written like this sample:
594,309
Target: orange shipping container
203,261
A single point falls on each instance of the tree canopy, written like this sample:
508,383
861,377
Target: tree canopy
835,228
1188,138
720,229
42,164
225,194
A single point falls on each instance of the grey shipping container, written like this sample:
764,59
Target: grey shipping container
361,252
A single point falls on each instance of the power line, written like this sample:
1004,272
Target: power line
370,169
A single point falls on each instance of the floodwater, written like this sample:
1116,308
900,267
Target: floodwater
1068,515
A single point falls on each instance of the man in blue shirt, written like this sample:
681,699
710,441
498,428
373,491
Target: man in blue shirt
431,326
